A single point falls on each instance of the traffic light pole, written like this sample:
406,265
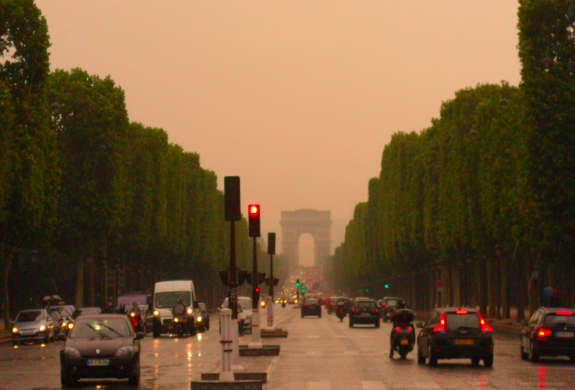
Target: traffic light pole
256,340
270,305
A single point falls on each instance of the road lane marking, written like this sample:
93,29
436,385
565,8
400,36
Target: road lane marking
290,316
351,353
373,385
312,336
318,386
315,353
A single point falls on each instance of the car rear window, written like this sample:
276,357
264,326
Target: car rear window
365,304
455,321
391,302
553,319
311,302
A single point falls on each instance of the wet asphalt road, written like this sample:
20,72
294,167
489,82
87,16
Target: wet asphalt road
319,354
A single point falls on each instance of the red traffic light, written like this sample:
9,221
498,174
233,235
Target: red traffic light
257,289
254,209
254,220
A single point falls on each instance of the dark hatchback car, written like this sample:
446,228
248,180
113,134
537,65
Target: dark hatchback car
101,346
364,311
455,333
310,307
550,332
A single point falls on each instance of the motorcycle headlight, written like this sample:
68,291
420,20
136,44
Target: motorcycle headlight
70,325
42,328
14,330
199,319
72,353
132,314
189,311
123,352
156,313
175,320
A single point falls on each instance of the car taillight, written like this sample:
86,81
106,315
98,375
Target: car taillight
441,327
543,332
484,327
354,310
398,329
374,311
461,312
410,329
330,303
563,313
383,305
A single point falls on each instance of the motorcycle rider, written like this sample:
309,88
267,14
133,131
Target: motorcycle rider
122,309
396,323
179,308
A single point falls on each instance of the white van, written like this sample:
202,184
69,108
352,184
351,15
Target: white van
166,295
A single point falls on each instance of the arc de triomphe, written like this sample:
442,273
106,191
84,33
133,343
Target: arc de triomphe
298,222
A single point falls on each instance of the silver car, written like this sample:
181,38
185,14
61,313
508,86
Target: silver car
33,325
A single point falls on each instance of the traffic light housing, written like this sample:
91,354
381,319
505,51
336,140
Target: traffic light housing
254,220
232,198
297,283
271,243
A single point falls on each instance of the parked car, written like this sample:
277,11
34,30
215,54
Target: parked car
455,333
33,325
101,346
203,322
388,307
310,307
549,332
364,311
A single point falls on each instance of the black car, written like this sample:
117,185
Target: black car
550,332
101,346
455,333
310,307
364,311
332,304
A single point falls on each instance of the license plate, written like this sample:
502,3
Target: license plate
569,335
98,362
312,307
404,342
464,342
27,333
365,314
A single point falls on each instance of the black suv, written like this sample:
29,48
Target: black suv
550,332
364,311
455,333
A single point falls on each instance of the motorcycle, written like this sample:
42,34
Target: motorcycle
340,313
404,333
283,304
179,324
137,322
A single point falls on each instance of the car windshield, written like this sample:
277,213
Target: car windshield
128,299
365,304
101,328
391,302
457,321
311,302
86,311
30,316
554,319
246,304
170,298
64,311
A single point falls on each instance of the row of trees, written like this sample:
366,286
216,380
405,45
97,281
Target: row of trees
83,189
483,199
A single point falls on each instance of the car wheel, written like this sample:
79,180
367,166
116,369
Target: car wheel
488,361
432,357
193,330
377,324
420,359
524,355
134,378
350,323
156,332
474,361
533,354
572,357
208,326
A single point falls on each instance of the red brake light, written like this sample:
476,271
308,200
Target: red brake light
374,311
383,305
543,332
410,329
563,313
398,329
484,327
441,327
461,312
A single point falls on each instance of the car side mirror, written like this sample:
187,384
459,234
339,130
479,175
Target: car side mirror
419,325
524,322
139,336
196,305
61,336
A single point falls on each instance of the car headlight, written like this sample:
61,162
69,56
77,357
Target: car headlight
42,328
189,311
14,330
156,313
123,352
199,319
132,314
72,353
175,320
70,325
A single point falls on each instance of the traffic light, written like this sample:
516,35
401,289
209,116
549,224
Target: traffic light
257,296
386,286
254,220
232,198
302,288
271,243
297,283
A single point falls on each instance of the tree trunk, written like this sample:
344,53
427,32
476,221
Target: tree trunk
491,288
505,289
80,283
90,281
533,287
6,272
481,283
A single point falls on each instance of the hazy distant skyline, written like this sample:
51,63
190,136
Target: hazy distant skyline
298,98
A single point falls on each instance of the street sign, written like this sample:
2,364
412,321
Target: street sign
439,285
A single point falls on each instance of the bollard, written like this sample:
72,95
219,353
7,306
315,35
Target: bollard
226,341
235,346
256,341
270,310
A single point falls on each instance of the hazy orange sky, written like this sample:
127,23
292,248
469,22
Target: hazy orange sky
298,98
